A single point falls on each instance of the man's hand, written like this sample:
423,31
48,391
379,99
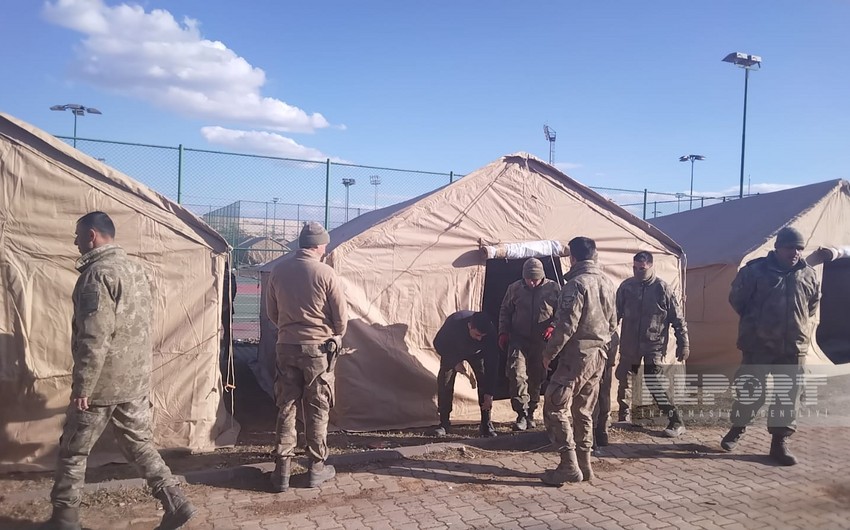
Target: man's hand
504,339
547,334
81,403
682,353
487,402
546,362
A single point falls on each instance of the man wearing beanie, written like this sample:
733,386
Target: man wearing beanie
648,308
775,296
525,324
308,307
585,321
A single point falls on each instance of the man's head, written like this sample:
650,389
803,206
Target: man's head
314,236
642,264
532,272
581,249
479,326
94,230
789,246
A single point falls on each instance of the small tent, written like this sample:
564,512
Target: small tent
720,239
45,186
406,267
256,250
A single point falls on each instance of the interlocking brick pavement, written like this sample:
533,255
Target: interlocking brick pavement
643,481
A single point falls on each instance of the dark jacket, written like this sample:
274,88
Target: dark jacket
775,305
453,345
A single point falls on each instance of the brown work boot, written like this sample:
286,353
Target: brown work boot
320,473
567,470
779,450
63,518
583,458
178,508
280,475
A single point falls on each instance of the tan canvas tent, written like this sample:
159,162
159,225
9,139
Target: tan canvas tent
722,238
45,186
407,267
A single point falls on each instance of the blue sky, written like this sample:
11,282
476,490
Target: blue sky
449,85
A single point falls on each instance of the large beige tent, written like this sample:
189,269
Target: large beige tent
722,238
405,268
45,186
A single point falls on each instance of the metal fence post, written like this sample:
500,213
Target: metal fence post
451,176
179,172
644,204
327,193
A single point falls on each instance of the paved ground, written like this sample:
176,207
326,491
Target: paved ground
644,481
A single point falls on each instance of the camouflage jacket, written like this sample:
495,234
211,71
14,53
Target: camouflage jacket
775,305
111,329
648,308
526,311
586,317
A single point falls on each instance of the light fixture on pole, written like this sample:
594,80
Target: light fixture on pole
550,137
747,62
375,180
76,110
691,159
347,183
274,217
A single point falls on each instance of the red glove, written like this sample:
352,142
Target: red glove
504,338
548,333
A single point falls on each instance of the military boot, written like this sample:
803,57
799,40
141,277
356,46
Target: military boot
63,518
567,470
486,429
178,509
521,422
583,458
529,420
732,438
624,416
320,473
779,450
444,426
280,475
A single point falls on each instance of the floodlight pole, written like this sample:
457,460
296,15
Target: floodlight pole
347,183
747,62
76,110
692,159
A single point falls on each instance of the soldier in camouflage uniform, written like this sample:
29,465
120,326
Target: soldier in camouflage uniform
584,324
111,346
776,297
307,304
648,308
525,324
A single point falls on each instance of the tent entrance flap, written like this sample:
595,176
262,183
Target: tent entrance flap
833,333
499,275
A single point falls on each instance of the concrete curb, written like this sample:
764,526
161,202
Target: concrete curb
236,473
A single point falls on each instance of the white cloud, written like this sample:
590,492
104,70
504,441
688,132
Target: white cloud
262,143
153,57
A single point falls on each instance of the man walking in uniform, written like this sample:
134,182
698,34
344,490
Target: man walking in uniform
648,308
466,336
584,324
776,296
111,346
525,324
307,304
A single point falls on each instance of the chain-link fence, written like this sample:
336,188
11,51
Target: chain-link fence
258,203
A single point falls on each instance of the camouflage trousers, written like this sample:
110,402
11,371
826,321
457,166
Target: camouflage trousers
602,412
751,391
301,377
131,422
655,381
569,402
524,369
